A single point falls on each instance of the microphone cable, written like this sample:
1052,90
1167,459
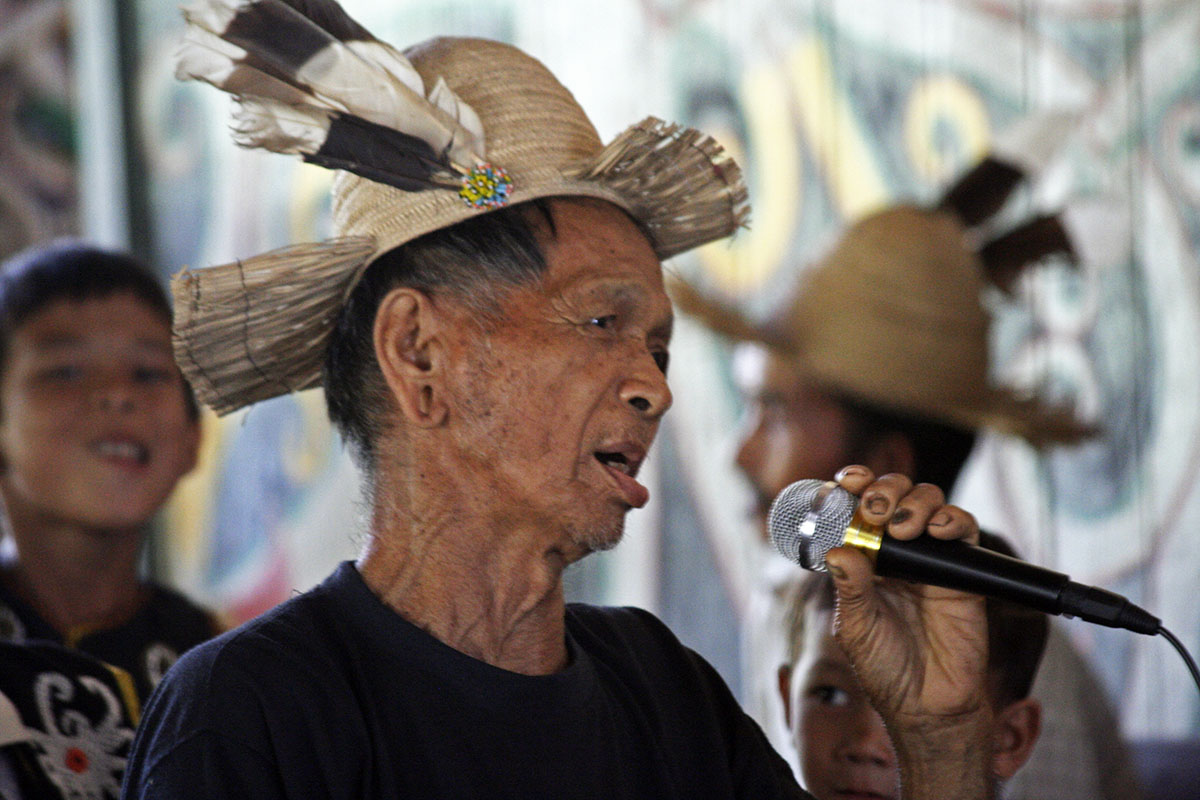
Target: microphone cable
1183,653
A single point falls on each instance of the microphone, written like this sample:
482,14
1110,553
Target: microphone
811,517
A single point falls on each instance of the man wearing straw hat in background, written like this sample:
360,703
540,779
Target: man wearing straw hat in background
833,377
491,331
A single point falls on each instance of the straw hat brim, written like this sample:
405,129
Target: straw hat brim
973,407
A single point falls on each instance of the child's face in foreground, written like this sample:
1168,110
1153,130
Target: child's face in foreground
94,428
845,752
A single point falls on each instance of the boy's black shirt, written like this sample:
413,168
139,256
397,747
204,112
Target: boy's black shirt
166,626
66,723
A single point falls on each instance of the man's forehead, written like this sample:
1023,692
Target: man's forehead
759,371
584,229
748,364
617,287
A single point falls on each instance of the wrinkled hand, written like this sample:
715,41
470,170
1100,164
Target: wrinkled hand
920,651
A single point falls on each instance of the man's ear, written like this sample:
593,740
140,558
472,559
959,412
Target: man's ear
1014,733
409,348
784,676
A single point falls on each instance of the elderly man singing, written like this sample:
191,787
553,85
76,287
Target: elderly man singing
492,334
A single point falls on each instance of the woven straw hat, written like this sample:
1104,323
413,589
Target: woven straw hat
892,316
258,328
675,181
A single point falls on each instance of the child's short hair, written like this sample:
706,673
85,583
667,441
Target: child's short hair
68,269
1016,634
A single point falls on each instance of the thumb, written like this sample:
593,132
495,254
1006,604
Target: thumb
857,602
853,574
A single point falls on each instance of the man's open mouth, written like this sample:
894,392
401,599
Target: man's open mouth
623,462
618,461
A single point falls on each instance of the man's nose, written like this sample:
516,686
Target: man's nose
647,390
748,454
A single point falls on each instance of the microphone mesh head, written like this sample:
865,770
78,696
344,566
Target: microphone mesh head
808,519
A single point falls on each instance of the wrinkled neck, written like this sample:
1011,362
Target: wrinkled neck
488,586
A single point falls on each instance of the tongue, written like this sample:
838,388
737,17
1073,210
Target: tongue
635,494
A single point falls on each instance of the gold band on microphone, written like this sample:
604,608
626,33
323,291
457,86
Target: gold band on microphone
863,536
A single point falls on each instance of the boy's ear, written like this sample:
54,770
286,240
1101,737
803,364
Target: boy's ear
1014,733
192,445
410,349
784,676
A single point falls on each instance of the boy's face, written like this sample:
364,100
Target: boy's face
845,752
94,428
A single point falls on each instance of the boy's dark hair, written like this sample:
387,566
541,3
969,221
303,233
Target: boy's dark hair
1016,635
475,262
939,450
1016,638
68,269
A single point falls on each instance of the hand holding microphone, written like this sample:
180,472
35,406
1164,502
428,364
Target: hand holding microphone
920,651
905,532
810,518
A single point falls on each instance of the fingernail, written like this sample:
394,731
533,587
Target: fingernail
877,504
940,520
846,472
836,571
901,515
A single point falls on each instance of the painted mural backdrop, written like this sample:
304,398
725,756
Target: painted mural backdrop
833,110
38,195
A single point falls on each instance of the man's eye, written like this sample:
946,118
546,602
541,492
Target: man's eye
604,322
663,359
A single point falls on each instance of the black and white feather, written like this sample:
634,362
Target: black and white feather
309,80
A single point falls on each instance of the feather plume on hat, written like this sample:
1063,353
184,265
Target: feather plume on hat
901,291
309,80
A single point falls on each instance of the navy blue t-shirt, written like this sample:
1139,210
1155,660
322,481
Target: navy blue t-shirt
334,695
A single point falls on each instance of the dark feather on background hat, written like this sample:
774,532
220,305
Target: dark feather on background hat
1005,257
982,190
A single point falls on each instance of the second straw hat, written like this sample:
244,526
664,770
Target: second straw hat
894,316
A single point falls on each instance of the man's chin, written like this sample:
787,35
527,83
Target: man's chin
598,538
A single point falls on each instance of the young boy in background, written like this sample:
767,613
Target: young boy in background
96,427
843,746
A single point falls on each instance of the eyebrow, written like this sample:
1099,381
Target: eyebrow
67,341
833,665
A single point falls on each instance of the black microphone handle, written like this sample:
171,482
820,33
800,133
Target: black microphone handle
967,568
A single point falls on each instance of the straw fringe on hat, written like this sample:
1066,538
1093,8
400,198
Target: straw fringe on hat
497,129
892,315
